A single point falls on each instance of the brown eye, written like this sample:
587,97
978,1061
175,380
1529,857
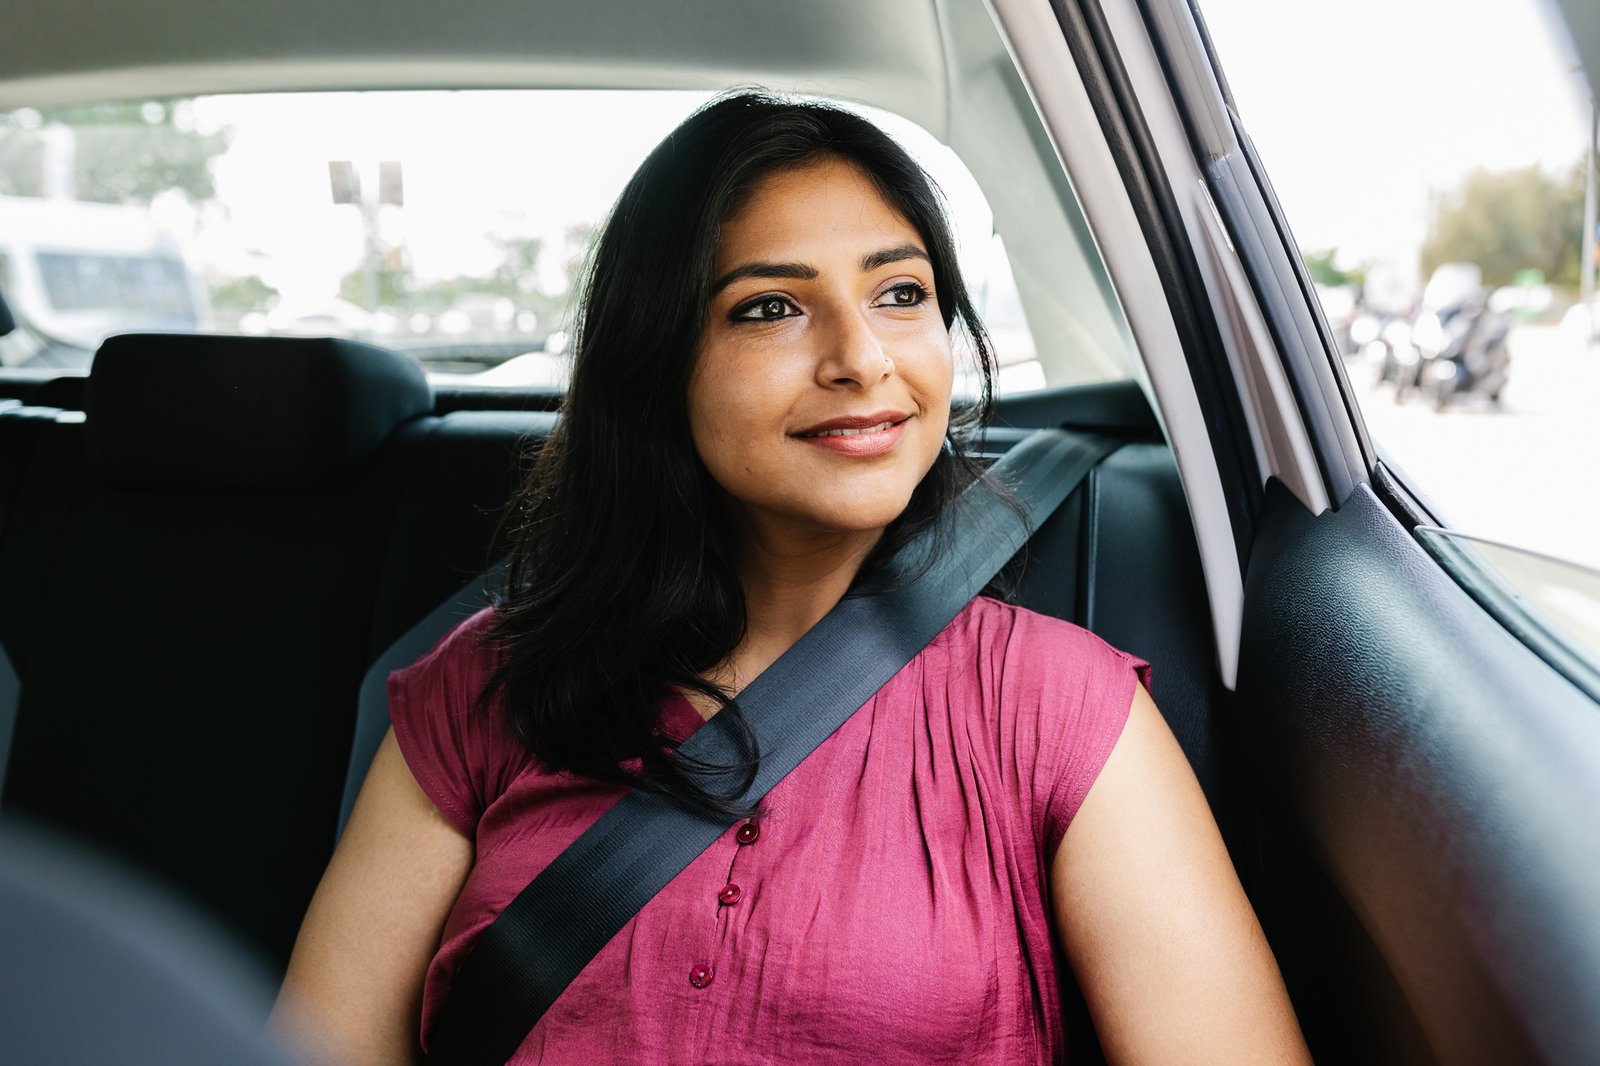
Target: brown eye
906,294
765,309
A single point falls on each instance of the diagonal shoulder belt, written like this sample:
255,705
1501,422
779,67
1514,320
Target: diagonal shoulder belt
573,908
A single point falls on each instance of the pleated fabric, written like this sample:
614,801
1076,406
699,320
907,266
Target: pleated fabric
891,904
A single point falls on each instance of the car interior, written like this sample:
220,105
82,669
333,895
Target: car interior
207,540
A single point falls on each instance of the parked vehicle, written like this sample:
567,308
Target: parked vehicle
1475,358
1460,342
1380,332
1383,339
74,273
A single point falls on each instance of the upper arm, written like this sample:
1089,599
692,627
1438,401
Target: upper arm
353,991
1173,964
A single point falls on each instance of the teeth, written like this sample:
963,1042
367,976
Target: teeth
879,428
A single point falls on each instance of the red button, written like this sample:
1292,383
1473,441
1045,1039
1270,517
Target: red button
748,833
729,895
701,976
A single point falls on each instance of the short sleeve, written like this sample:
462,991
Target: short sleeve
1097,704
463,757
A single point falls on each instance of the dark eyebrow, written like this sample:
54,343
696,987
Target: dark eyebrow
801,272
796,271
885,256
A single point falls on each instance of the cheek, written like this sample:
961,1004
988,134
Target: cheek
732,414
933,374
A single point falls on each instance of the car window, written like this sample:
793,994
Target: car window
1433,169
80,281
1554,606
447,225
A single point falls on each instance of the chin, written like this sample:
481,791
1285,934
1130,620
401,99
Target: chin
866,516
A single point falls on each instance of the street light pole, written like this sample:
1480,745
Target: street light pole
1586,276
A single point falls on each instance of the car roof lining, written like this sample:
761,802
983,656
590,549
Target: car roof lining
883,52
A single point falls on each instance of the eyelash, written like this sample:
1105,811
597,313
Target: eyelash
744,312
918,289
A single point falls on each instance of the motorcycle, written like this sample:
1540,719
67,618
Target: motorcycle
1380,332
1384,342
1460,342
1462,351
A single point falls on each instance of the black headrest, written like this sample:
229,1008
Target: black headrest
191,411
7,323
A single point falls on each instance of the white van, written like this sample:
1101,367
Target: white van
75,272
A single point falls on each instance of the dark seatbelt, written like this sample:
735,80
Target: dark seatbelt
573,908
372,708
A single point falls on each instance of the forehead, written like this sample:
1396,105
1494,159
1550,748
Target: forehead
815,211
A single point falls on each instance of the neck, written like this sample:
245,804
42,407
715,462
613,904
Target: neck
789,583
788,593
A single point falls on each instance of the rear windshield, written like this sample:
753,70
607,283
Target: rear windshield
450,226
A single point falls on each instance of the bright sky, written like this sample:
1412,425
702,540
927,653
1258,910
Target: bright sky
1363,109
475,164
1361,117
516,164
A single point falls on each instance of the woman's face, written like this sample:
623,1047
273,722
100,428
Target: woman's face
821,392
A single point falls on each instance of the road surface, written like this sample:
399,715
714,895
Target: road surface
1527,474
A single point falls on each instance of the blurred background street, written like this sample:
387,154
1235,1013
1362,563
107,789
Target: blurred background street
1435,161
1527,473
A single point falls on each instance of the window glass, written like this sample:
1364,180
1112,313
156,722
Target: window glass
1553,605
447,225
1432,162
74,281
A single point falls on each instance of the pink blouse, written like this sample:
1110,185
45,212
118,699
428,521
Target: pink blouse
891,905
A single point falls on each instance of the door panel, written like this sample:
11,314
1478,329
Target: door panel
1440,776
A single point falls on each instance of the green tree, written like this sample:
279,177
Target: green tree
518,273
1510,221
122,153
248,293
581,240
516,277
1320,266
396,285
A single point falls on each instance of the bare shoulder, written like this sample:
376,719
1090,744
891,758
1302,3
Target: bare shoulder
354,986
1172,961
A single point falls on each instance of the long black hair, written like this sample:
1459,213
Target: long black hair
622,586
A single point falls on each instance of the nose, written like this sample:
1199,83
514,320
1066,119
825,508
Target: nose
852,354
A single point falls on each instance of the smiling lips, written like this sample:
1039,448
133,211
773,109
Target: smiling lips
866,435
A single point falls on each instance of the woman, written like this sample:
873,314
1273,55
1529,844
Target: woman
759,415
